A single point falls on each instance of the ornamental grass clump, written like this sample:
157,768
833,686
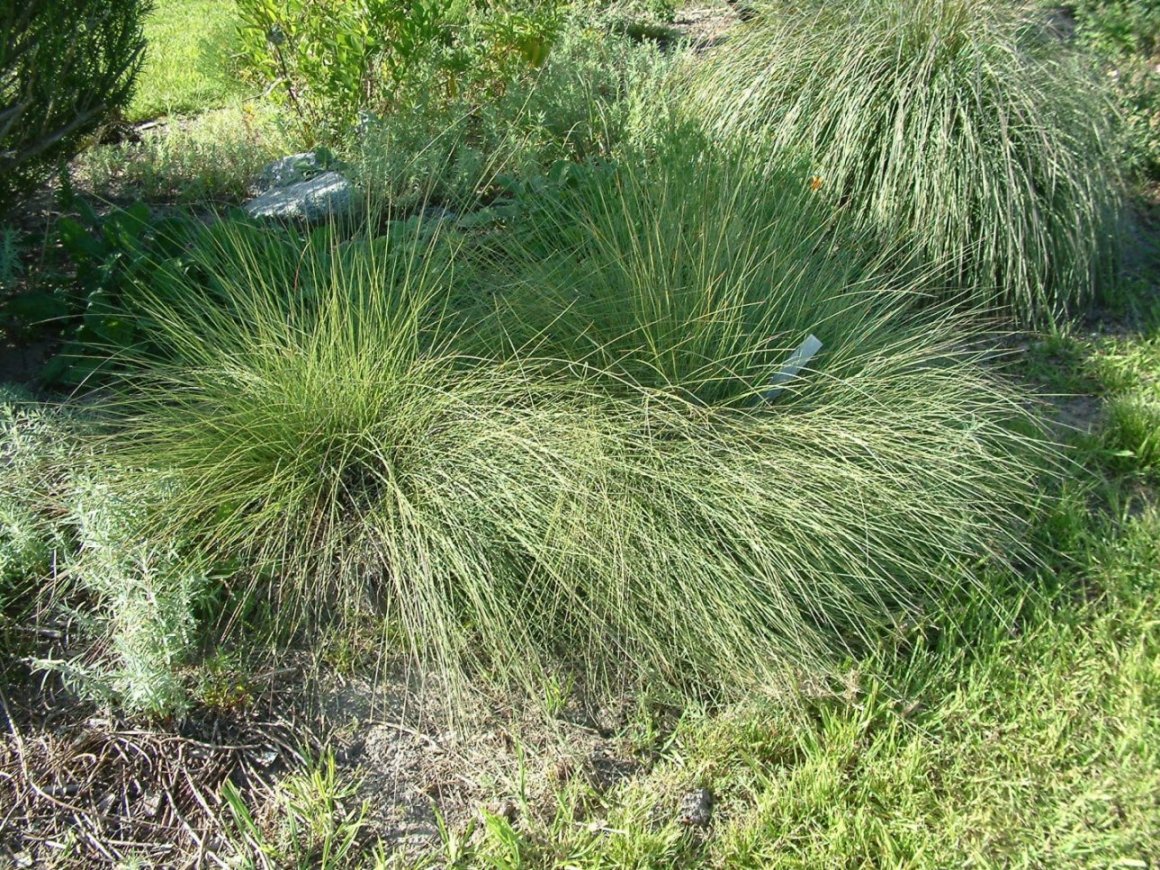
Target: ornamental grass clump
961,128
337,455
691,267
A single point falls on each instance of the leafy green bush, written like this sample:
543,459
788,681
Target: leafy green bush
65,67
332,60
1125,34
583,102
513,520
1119,27
956,126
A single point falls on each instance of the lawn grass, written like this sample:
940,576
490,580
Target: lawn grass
188,59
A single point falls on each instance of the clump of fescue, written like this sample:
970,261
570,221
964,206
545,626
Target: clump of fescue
692,267
512,519
959,127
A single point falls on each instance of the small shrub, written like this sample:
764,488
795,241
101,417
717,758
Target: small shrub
332,60
455,152
138,621
69,543
1119,27
1125,35
213,158
329,58
66,66
957,126
35,447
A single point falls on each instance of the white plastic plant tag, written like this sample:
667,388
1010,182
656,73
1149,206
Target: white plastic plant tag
798,360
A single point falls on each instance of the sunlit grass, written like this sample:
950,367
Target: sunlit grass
319,429
961,129
188,65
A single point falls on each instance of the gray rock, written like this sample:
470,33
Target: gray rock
289,170
696,808
328,195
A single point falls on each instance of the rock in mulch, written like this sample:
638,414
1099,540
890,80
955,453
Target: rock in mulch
328,195
696,808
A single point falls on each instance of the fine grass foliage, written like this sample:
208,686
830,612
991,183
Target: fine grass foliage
323,434
959,128
690,267
309,821
1127,371
1036,739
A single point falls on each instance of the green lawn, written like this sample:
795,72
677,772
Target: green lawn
187,66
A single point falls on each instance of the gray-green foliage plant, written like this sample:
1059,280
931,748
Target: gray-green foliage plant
66,66
584,101
511,518
70,543
138,617
964,129
33,451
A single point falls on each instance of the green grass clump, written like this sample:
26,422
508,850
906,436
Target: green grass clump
318,428
1023,734
690,267
961,128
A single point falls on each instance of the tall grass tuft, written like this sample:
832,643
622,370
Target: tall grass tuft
692,267
514,518
960,127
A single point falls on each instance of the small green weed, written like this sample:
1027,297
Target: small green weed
309,823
